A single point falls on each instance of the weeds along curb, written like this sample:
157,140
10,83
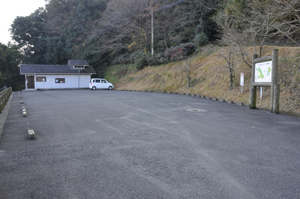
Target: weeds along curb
194,95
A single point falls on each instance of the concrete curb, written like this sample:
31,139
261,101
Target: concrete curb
4,113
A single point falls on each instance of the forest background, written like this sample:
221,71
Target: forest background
114,32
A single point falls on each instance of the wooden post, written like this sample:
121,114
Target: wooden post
252,100
189,73
276,98
253,97
274,77
152,34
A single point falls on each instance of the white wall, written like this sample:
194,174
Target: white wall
71,81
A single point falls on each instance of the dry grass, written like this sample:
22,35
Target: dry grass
210,77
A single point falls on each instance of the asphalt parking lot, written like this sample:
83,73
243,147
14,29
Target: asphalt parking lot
117,144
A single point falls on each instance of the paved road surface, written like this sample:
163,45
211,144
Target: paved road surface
116,144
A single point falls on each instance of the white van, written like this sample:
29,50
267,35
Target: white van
98,83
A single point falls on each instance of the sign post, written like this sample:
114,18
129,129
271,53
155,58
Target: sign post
261,91
242,81
264,73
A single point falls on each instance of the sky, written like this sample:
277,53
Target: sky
10,9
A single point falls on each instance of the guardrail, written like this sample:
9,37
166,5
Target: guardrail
3,88
4,96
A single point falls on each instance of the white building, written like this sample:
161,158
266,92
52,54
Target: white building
76,74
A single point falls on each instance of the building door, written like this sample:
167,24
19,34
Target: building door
30,82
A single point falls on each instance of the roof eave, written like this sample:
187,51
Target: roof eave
56,73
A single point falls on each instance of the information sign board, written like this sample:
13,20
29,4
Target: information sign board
263,72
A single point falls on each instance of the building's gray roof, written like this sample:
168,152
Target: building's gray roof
78,63
55,69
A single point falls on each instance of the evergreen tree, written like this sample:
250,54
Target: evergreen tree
10,57
29,35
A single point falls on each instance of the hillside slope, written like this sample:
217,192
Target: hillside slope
210,77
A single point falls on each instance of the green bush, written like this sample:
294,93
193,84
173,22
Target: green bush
151,60
140,63
141,59
136,55
190,48
156,59
179,53
122,59
201,39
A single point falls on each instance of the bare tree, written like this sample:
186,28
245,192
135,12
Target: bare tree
229,54
168,20
122,25
187,70
234,41
234,38
257,23
289,25
127,24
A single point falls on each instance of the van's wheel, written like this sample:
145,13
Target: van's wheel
109,88
94,88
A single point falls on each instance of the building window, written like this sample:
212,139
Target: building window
60,80
78,67
40,79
